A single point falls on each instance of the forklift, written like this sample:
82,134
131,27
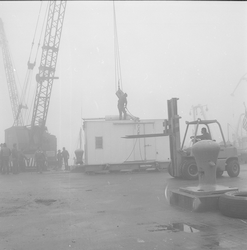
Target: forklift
183,164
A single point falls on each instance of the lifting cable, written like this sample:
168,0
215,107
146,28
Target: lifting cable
137,139
41,31
27,88
34,33
140,152
118,76
30,65
132,150
134,118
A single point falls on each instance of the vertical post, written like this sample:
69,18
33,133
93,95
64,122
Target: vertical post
174,129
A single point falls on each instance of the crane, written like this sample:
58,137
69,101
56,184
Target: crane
10,75
30,137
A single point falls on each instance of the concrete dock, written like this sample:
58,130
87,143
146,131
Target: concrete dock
63,210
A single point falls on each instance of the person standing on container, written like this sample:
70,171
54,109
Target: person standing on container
5,154
14,154
122,104
65,155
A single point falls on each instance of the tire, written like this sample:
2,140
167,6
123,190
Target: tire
170,169
233,168
189,170
219,173
234,204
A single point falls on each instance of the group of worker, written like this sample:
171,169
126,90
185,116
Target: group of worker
18,159
63,157
13,155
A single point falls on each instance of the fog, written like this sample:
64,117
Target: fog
195,51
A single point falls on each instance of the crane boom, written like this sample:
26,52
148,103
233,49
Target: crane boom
48,62
10,75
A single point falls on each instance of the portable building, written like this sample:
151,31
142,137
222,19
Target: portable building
105,143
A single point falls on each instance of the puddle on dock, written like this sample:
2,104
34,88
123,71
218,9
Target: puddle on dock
176,227
210,239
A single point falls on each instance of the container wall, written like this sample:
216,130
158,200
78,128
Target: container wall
105,142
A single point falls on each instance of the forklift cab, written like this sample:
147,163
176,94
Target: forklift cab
192,134
228,156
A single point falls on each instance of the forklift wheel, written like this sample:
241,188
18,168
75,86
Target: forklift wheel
234,204
189,170
233,168
170,170
219,173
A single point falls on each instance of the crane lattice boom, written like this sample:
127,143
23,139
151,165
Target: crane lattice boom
48,62
10,76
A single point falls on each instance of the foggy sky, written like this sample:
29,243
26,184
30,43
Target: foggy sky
195,51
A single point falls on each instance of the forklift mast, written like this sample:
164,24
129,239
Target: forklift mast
173,129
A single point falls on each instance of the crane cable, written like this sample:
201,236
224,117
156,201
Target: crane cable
118,76
31,65
26,87
35,32
137,139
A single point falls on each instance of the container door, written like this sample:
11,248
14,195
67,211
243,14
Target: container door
145,147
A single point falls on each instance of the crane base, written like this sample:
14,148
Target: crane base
198,200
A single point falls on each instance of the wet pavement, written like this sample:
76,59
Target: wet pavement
62,210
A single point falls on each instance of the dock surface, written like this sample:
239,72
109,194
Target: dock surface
64,210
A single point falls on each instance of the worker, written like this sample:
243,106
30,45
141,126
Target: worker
5,154
22,161
122,104
14,155
40,159
204,136
65,155
59,159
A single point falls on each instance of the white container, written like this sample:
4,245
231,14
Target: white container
104,142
